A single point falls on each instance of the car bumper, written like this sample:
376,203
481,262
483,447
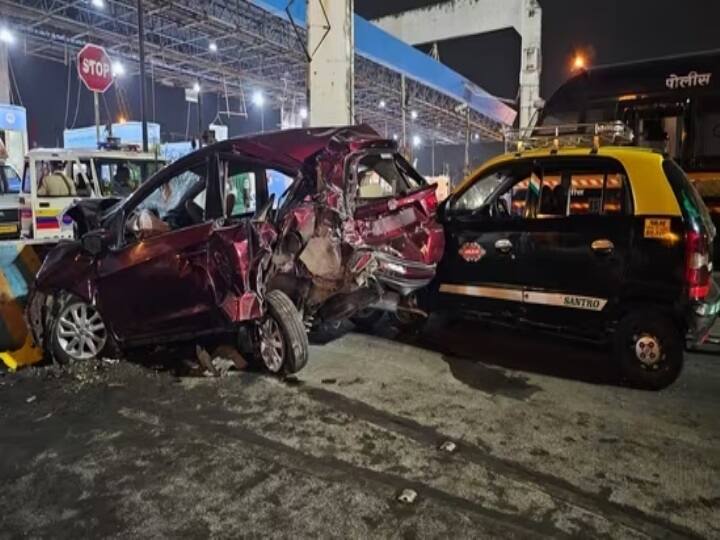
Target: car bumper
403,276
703,315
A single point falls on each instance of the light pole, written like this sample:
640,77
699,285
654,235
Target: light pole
141,54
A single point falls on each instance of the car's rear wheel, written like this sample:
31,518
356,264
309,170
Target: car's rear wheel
78,332
649,348
281,337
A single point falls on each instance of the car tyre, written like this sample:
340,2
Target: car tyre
78,332
282,340
649,349
367,319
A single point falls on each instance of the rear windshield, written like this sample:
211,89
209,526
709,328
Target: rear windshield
691,203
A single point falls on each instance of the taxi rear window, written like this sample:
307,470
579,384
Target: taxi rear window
691,204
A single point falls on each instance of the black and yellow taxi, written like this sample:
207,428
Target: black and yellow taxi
607,243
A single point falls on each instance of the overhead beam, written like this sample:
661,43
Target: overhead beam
462,18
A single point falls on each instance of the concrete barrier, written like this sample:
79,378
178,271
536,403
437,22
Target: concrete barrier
19,263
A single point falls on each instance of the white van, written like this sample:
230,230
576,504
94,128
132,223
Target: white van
80,174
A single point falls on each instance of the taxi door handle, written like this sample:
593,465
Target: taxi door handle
602,246
503,245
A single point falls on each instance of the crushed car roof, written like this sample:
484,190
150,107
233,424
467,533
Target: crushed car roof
291,148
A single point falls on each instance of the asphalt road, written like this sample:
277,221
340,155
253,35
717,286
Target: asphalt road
548,444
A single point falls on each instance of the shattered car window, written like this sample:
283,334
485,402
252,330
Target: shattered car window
479,193
170,195
380,176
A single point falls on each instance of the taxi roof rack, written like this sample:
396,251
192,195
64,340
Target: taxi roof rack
569,135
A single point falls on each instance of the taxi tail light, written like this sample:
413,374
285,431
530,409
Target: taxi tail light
697,265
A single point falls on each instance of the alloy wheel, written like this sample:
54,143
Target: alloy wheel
272,346
81,332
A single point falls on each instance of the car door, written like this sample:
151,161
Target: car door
160,285
484,226
575,248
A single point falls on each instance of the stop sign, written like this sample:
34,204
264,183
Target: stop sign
94,68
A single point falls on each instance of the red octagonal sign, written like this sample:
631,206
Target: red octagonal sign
94,68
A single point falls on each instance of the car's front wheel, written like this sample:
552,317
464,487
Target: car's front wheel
78,332
649,349
281,337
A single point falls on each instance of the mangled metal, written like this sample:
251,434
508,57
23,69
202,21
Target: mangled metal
354,229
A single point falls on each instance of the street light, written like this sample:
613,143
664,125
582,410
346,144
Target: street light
6,36
258,100
395,137
413,115
579,62
212,46
382,104
416,141
303,113
100,4
196,87
118,70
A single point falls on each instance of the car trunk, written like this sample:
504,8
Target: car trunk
403,226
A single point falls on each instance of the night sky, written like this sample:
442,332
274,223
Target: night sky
612,30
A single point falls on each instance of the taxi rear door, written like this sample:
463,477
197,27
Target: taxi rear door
576,249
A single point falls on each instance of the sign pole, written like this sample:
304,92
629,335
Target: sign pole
96,99
141,51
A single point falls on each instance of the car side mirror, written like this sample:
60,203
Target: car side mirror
96,242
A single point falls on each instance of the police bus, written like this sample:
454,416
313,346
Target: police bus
671,104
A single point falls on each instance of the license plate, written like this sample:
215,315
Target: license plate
8,229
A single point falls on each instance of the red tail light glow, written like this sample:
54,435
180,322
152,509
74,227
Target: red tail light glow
697,265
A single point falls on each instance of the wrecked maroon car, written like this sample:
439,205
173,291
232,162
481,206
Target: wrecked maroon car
357,229
169,263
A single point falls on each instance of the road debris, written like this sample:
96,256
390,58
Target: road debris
407,496
448,446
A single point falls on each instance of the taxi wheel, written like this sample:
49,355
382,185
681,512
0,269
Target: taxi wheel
649,349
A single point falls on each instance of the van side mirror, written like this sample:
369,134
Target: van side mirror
96,242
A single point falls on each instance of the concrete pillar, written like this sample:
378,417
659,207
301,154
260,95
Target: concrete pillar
531,62
4,74
331,71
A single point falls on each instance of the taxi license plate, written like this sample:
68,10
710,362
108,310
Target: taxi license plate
8,229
